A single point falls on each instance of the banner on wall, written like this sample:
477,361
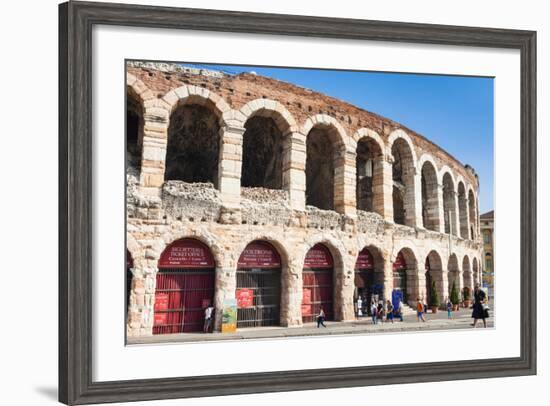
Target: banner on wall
229,316
245,298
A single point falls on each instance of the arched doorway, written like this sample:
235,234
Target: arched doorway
453,272
367,286
467,278
258,286
134,131
472,210
434,277
318,286
399,278
463,211
185,287
475,272
129,276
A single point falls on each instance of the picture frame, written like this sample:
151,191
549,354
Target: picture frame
76,20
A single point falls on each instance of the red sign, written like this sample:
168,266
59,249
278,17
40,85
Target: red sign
161,318
186,253
306,310
400,263
318,257
259,254
245,298
364,260
306,296
161,301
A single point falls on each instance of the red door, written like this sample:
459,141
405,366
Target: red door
318,288
185,286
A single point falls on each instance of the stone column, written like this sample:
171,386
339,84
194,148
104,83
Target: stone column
344,181
413,285
142,301
456,217
343,294
388,276
443,286
226,285
155,138
291,296
387,187
294,169
230,164
378,191
422,294
441,207
417,193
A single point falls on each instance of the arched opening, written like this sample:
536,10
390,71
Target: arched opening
318,283
430,200
369,173
453,272
258,286
434,274
473,218
405,277
323,159
403,183
129,276
184,287
369,279
463,211
193,149
449,204
134,131
467,278
262,153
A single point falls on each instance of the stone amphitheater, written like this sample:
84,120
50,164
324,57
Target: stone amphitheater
242,186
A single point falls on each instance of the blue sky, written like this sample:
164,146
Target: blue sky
455,112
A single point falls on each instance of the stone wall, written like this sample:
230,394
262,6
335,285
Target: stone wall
227,216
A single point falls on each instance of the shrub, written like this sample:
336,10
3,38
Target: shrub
434,296
455,297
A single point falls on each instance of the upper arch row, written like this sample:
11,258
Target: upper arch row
155,108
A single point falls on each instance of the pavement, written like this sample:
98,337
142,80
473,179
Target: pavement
439,321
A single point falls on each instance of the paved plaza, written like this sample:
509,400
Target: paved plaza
439,321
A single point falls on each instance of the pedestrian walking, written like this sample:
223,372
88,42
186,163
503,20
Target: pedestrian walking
389,311
208,316
373,312
480,308
380,313
321,318
449,309
420,310
399,310
359,307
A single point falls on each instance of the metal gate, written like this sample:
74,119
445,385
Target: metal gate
258,286
265,287
184,287
180,299
364,279
318,288
400,276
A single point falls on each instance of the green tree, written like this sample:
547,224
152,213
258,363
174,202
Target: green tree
455,297
434,296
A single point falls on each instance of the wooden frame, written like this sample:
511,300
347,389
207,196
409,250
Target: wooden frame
75,179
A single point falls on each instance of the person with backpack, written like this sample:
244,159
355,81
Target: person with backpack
480,309
420,310
321,318
449,309
373,312
389,311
